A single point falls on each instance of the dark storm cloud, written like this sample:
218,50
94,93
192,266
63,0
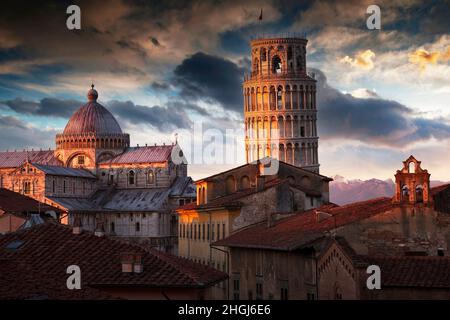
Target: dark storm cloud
21,135
171,116
160,86
211,78
374,121
46,107
163,118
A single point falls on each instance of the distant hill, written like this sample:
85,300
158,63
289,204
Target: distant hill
343,191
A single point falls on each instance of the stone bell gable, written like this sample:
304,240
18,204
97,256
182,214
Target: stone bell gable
412,183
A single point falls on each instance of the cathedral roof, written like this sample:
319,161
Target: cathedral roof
147,154
14,159
92,118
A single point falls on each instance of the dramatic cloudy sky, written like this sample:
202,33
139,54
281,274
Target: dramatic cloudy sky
166,67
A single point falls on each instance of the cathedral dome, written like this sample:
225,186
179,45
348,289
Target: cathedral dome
92,118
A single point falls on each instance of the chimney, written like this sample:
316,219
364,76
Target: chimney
138,267
127,259
100,229
131,262
77,226
260,181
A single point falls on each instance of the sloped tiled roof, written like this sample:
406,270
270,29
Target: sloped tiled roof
264,161
50,248
65,171
295,231
438,189
14,159
426,272
142,155
13,202
20,281
183,187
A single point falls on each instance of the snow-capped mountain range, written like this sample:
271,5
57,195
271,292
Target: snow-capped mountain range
343,191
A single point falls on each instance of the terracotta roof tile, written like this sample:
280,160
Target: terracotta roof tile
428,271
20,281
14,202
295,231
50,248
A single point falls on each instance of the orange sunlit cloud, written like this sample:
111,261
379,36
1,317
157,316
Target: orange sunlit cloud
423,57
362,60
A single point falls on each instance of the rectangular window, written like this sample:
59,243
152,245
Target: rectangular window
203,227
218,231
312,201
302,131
80,160
223,230
64,186
208,235
180,233
212,232
181,202
195,231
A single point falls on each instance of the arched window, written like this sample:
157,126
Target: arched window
405,193
27,187
419,193
263,54
276,65
272,98
131,177
230,184
255,66
150,177
411,167
279,97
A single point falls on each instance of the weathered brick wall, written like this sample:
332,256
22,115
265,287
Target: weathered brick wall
403,229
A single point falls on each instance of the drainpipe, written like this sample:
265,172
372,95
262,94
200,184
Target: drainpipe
317,276
209,237
228,268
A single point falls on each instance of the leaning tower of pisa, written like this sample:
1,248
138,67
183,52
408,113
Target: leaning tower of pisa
280,104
